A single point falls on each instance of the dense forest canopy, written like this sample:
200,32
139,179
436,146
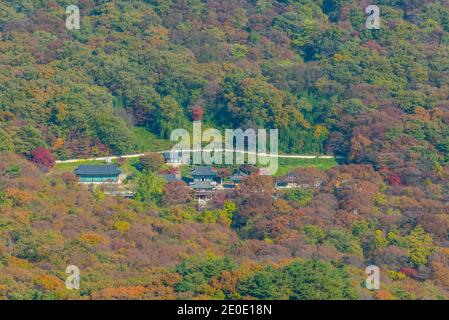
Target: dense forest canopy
312,69
309,68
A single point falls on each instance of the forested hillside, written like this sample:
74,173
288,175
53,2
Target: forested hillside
136,70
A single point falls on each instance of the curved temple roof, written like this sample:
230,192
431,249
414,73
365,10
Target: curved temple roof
98,170
203,171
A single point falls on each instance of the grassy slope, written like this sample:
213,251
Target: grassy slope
147,142
286,165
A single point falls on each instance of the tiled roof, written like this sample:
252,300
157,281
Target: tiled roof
202,185
203,171
97,170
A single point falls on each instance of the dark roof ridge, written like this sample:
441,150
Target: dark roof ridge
94,169
203,171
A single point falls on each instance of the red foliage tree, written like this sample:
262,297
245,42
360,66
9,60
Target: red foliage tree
394,180
197,113
42,157
173,170
410,272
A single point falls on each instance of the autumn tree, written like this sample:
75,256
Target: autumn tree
43,158
176,193
151,162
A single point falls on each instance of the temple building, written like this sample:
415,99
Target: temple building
203,183
108,173
203,174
